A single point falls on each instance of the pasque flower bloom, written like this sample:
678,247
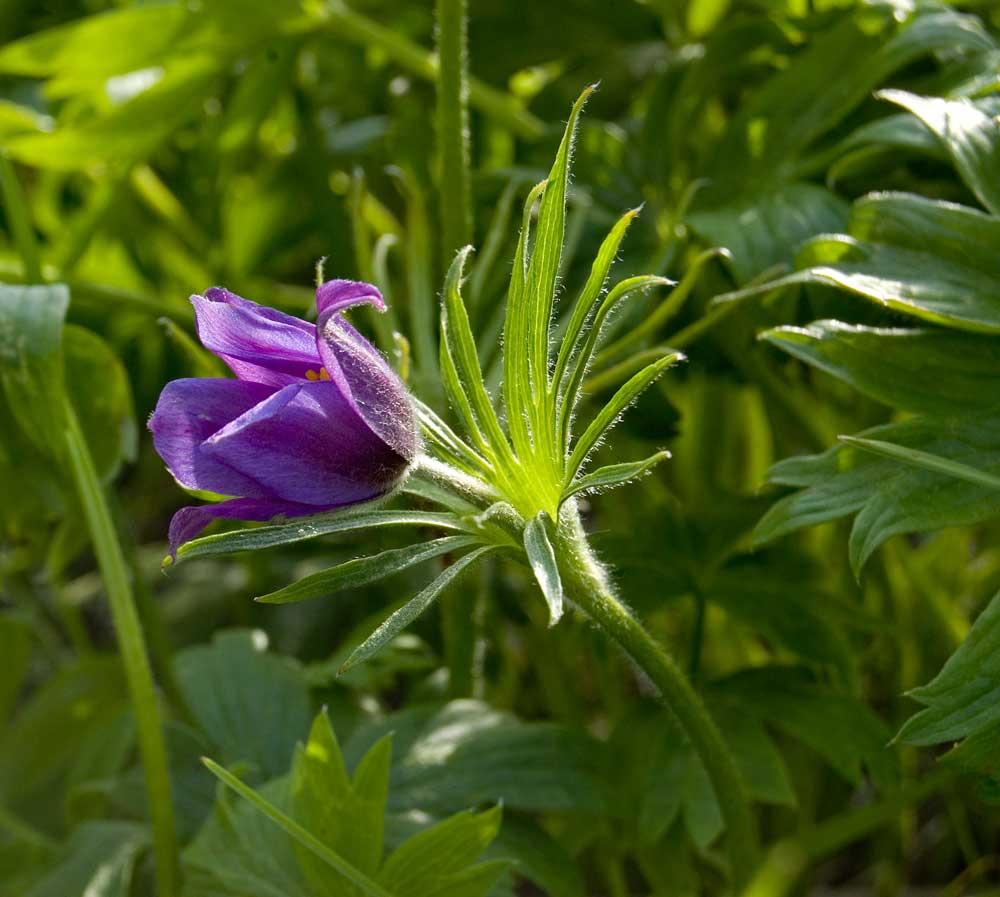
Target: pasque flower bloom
315,419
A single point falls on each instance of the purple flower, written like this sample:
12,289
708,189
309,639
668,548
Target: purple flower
315,419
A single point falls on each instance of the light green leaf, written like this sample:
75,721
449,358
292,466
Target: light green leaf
310,527
971,137
409,612
588,297
347,820
610,413
612,475
129,133
542,559
460,362
581,360
543,268
365,570
516,373
437,860
299,834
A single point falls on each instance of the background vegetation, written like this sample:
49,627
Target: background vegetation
823,180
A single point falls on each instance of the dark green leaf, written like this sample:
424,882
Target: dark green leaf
409,612
365,570
252,705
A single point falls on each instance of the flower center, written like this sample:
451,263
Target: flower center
321,374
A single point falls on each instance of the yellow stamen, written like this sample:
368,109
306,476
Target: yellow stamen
312,375
323,375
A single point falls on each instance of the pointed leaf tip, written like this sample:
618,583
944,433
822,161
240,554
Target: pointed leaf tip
542,558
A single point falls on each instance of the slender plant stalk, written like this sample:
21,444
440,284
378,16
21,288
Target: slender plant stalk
19,220
356,27
452,118
453,127
587,584
138,673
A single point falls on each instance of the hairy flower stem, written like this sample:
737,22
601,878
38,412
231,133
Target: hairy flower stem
587,585
453,127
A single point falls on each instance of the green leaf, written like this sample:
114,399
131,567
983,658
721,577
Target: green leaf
45,748
15,649
610,413
346,817
589,295
300,835
542,559
31,365
787,610
925,461
132,131
365,570
612,475
962,703
466,753
889,498
959,234
98,861
516,372
932,371
460,361
311,527
905,280
253,706
971,137
543,268
436,861
409,612
582,359
838,727
765,230
239,852
97,385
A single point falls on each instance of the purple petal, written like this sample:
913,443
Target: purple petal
188,522
190,411
260,344
374,388
336,295
308,444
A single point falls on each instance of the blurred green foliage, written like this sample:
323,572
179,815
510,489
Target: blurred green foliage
847,155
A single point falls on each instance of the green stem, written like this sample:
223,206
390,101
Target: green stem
152,746
502,107
587,584
453,128
19,221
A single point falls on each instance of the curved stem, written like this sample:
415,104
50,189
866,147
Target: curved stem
586,583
